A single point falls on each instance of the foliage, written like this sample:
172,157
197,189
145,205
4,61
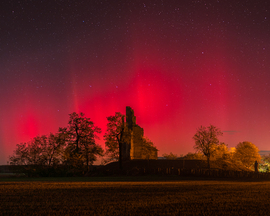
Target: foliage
266,158
223,156
264,166
20,155
247,153
80,140
170,156
114,135
196,156
206,140
73,145
222,152
148,148
41,150
39,156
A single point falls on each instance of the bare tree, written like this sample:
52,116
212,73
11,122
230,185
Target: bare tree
206,140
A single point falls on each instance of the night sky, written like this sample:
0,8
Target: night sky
178,64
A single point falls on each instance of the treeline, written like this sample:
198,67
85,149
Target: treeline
209,147
73,149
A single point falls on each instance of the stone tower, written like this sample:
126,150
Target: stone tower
133,139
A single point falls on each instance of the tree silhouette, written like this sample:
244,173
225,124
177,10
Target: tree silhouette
206,140
20,155
41,150
114,137
147,148
79,136
73,145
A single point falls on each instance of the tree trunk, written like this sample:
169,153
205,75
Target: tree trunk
87,162
77,139
120,156
208,162
120,141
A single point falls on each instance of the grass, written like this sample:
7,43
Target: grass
147,195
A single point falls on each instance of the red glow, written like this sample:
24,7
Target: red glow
28,126
169,107
177,65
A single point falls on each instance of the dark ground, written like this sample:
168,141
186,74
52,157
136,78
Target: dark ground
133,195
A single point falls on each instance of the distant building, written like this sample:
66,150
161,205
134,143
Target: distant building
134,142
262,153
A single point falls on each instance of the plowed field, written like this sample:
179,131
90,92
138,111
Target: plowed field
134,198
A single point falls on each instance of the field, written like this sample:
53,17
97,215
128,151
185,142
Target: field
132,196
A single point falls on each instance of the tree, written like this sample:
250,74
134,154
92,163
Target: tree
55,149
247,153
148,148
20,155
170,156
73,145
80,137
206,140
192,156
221,152
41,150
265,163
42,153
114,137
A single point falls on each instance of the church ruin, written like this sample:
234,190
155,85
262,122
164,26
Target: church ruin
134,143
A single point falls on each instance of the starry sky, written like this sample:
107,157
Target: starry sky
178,64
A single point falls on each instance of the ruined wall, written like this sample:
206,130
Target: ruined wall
136,145
133,144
